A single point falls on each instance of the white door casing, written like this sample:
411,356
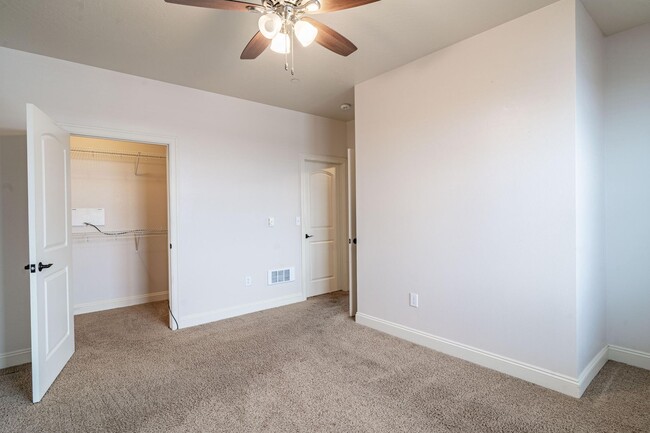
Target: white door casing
50,254
352,233
324,227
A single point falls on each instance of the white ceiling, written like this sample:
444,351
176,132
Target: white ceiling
200,48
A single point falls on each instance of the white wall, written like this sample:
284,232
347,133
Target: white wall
590,210
238,162
14,254
350,134
466,169
109,271
3,304
627,144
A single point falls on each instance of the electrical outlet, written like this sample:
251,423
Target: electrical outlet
248,280
271,221
413,300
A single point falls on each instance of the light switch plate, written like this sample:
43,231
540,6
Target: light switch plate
271,221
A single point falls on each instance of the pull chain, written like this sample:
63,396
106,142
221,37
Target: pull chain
293,37
286,58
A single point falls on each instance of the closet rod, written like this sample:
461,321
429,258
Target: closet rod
104,152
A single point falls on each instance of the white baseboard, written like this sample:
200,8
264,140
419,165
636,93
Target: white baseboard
109,304
530,373
17,357
631,357
592,369
226,313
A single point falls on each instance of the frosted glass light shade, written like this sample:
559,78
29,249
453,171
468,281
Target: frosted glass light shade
313,6
305,32
270,25
281,43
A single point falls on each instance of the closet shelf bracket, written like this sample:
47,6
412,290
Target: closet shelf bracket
137,165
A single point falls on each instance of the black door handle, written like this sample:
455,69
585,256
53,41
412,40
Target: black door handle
41,266
308,236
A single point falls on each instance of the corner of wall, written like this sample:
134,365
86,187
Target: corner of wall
627,198
590,208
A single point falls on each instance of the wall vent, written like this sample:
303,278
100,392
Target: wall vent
279,276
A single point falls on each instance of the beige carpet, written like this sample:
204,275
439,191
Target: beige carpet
302,368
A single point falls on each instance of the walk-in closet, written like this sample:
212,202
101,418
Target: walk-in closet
120,219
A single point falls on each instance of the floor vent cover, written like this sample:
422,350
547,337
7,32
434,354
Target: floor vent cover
279,276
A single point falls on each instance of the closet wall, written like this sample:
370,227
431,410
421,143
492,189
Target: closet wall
126,269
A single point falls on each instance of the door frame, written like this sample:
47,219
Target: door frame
352,231
341,219
172,208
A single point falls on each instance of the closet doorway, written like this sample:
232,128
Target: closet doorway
120,216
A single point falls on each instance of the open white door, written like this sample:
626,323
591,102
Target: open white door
352,233
50,254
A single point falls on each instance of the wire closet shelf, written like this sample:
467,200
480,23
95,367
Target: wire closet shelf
107,155
97,234
100,235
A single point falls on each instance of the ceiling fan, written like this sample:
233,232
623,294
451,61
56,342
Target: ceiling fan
283,21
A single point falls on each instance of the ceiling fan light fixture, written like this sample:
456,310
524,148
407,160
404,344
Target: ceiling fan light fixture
281,44
270,25
305,32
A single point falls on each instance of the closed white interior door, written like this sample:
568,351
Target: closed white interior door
321,228
352,233
50,254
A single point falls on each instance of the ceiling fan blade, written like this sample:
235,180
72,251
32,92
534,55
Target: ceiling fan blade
331,39
255,47
338,5
228,5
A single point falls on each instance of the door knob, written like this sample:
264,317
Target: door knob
308,236
41,266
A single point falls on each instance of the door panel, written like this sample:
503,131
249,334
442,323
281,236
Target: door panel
321,225
56,305
52,322
322,259
54,168
321,185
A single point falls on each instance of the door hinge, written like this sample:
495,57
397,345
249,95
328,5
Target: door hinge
31,268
